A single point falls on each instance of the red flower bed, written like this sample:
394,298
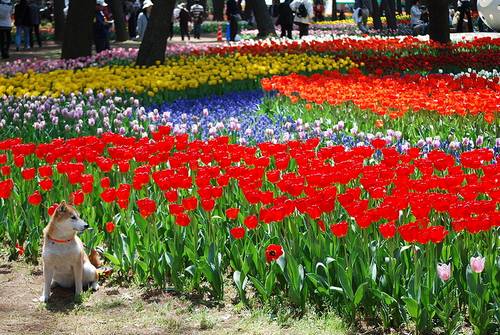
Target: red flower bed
255,186
394,95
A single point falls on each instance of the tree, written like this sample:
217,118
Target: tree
153,45
262,18
377,22
78,32
119,18
439,29
218,10
334,10
59,20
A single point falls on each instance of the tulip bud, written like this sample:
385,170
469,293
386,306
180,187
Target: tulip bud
444,271
477,264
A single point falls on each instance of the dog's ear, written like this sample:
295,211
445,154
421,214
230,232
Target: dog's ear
62,207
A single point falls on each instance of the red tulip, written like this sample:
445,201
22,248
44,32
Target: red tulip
238,232
108,195
171,196
273,252
51,210
387,230
20,249
190,203
339,229
19,161
251,222
46,184
77,197
45,171
105,182
6,188
5,170
110,226
232,213
146,207
208,205
182,219
28,174
35,198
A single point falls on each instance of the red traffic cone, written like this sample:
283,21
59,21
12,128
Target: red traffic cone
219,33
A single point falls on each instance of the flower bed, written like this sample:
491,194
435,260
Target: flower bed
320,221
395,95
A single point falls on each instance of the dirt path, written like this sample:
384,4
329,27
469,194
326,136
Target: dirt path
119,310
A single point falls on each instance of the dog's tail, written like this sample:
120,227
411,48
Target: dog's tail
95,258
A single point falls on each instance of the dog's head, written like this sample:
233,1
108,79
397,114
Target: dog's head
67,219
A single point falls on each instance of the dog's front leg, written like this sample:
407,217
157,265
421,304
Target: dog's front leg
78,273
48,273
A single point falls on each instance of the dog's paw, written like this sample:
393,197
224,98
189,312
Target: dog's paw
94,286
42,299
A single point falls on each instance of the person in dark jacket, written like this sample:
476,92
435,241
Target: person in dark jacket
233,16
35,20
22,21
184,18
5,27
101,27
285,18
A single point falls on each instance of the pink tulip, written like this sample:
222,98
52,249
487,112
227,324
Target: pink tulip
477,264
444,271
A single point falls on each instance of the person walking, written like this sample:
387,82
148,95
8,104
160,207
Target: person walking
416,22
303,10
464,9
5,27
35,20
184,18
143,19
101,28
22,21
198,14
285,18
133,11
234,16
362,9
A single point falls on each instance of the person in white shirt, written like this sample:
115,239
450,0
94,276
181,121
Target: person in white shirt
5,27
362,9
303,10
419,26
198,14
143,19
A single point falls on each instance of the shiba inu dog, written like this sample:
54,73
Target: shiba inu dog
65,262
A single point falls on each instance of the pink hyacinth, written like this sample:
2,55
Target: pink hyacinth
477,264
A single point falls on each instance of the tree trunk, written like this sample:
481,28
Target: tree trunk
119,18
334,10
390,14
377,22
218,10
59,20
78,32
153,45
399,7
439,30
262,18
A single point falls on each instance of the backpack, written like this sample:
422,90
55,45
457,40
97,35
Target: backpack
302,11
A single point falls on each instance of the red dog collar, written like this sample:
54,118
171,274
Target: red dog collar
58,241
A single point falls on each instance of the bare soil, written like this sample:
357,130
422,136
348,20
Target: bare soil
122,310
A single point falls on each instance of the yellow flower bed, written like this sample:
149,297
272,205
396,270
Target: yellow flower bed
370,20
176,75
